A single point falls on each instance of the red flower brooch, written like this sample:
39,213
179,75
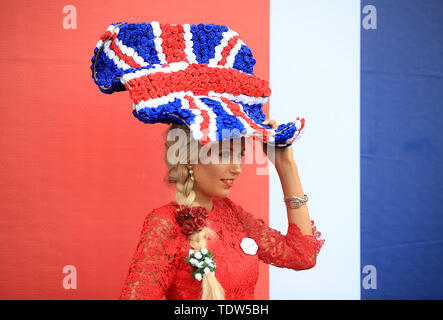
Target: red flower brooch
191,219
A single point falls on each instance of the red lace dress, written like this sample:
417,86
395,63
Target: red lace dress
158,269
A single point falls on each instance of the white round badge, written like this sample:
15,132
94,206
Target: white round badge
249,246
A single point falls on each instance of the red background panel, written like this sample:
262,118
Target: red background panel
78,171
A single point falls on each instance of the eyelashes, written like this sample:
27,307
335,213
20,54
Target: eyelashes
228,154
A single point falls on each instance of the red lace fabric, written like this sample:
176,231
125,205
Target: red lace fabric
158,269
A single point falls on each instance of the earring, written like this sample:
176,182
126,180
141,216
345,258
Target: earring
191,173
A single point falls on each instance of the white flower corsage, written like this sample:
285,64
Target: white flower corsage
202,263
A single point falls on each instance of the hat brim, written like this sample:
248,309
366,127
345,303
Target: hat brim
213,110
216,118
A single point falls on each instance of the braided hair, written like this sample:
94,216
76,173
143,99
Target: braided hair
179,174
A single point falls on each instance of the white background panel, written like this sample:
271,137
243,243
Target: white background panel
315,74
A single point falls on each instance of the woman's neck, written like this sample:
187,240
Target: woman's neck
204,201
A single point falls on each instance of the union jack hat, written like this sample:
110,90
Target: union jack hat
200,76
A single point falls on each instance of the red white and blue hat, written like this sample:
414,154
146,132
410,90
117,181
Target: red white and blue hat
200,76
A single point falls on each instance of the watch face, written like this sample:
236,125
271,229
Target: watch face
296,202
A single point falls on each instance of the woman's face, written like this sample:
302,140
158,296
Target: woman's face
216,178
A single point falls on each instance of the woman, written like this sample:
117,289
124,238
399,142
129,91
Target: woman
200,79
159,268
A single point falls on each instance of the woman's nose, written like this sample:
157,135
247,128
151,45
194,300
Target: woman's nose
236,168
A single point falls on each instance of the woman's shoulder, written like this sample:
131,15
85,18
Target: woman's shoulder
165,212
161,216
161,219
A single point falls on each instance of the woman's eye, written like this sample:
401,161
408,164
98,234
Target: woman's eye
227,154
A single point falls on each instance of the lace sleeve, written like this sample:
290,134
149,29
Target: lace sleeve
153,264
294,251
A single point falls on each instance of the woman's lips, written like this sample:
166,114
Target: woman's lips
229,184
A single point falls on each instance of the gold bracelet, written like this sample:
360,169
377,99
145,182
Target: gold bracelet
296,202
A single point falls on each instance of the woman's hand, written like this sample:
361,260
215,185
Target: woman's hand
282,156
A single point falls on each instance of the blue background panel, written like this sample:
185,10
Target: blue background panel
401,150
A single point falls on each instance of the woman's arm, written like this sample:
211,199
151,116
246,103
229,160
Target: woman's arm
293,250
154,261
291,185
288,173
299,248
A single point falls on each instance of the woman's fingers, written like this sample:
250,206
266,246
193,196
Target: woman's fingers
274,125
271,122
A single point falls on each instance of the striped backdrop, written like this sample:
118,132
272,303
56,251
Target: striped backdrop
78,173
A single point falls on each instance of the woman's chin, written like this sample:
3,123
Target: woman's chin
224,193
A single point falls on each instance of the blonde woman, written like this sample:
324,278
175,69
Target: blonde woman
199,79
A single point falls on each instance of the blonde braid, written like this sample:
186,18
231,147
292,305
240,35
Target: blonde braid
185,195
